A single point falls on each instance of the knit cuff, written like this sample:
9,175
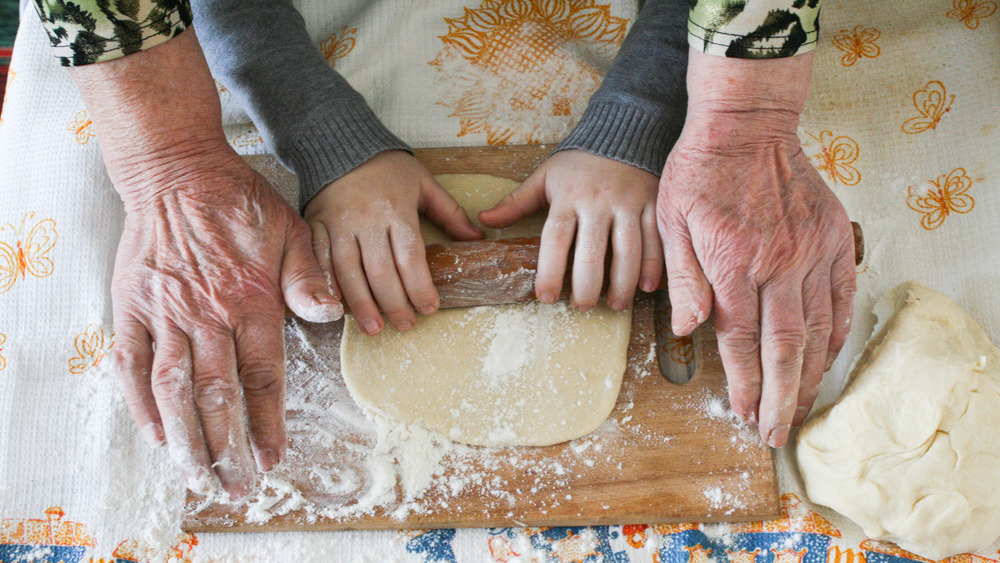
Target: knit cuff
626,133
332,142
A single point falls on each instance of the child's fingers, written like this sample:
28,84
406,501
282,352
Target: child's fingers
350,275
525,200
411,263
626,261
588,260
438,206
557,237
383,280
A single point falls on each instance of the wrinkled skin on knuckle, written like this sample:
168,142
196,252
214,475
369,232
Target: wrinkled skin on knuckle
215,393
262,379
209,255
171,383
787,346
743,342
818,328
767,209
124,357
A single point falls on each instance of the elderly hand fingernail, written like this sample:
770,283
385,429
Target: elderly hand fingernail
428,309
778,436
153,434
318,308
268,460
547,297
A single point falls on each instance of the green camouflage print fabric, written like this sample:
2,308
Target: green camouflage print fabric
753,29
84,32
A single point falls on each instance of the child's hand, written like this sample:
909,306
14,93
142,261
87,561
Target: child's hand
591,200
366,234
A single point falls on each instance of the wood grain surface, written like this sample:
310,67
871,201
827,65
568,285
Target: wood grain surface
668,452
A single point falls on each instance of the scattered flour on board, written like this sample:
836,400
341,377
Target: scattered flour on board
734,493
370,464
345,463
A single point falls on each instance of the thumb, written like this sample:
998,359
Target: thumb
690,293
306,290
441,208
526,199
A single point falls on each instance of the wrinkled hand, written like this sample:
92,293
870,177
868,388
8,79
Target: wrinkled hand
366,233
593,201
207,252
753,232
200,273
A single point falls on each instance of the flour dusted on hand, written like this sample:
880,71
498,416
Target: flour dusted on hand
522,374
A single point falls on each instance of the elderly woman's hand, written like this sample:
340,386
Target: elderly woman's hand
753,233
208,251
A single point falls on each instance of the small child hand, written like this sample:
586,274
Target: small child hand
594,201
366,235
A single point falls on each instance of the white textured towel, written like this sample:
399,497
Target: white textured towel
903,123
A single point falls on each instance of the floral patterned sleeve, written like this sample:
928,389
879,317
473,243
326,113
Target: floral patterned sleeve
753,29
83,32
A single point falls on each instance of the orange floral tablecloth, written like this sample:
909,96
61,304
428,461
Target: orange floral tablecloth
903,122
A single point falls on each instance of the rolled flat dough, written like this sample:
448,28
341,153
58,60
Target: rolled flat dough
523,374
911,451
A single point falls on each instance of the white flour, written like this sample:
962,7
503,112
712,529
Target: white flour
370,465
511,336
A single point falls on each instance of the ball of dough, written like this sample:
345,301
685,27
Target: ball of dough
911,451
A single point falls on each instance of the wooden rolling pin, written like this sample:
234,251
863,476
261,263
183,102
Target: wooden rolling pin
494,272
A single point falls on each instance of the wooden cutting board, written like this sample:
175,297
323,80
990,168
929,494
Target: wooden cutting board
668,453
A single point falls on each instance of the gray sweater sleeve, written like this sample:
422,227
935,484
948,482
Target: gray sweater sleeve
638,112
311,118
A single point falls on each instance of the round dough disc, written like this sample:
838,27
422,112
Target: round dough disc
523,374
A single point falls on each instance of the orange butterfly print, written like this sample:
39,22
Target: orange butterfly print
248,139
3,361
82,127
970,12
932,102
337,46
857,44
946,195
836,157
91,347
28,253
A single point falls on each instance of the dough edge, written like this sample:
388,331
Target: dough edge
852,494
